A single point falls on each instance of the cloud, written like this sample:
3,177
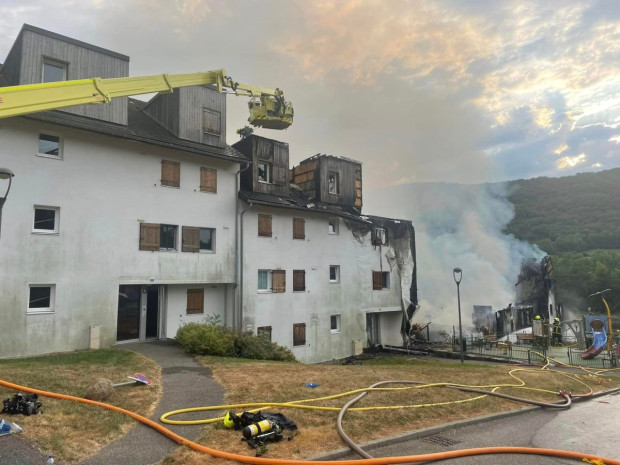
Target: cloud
571,162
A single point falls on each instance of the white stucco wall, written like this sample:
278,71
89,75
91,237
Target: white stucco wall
104,188
215,305
352,297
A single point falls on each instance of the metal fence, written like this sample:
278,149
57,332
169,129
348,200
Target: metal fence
602,360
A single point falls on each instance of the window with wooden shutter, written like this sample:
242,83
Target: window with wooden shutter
211,121
264,225
377,280
264,333
191,239
299,228
278,281
299,280
195,301
208,180
149,236
299,334
170,173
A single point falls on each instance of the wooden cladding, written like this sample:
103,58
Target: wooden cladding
208,180
299,334
377,280
149,236
278,281
191,239
264,225
195,301
299,280
211,122
170,173
299,228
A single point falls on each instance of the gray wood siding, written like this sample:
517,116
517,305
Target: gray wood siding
257,148
347,176
82,63
10,69
193,100
164,108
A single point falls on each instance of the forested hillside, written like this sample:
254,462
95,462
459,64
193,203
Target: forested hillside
576,220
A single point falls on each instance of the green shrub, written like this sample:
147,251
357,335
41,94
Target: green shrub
205,339
247,345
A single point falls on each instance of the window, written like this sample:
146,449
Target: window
299,228
334,273
332,183
264,333
334,321
379,236
195,301
299,280
41,298
170,173
53,71
46,220
208,180
278,281
50,146
380,280
299,334
198,239
211,122
264,281
333,226
155,236
264,171
264,225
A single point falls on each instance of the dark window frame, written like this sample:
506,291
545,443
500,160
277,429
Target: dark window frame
299,334
299,280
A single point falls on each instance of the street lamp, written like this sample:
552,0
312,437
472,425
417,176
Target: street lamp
458,275
5,173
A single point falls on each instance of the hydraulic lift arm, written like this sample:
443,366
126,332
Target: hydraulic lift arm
268,108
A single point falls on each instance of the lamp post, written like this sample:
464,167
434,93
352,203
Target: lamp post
5,173
458,275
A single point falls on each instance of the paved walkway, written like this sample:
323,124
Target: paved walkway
185,385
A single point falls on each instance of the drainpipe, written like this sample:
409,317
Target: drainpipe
237,182
241,268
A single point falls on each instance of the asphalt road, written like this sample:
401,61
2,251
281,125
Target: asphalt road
591,426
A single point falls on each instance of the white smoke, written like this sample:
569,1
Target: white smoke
457,226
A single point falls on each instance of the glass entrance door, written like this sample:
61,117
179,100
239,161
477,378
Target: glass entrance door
138,313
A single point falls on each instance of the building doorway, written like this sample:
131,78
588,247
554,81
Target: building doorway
372,329
138,313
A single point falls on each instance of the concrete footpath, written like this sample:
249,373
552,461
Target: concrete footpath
185,385
590,426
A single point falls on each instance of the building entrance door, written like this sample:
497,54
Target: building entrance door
138,313
372,329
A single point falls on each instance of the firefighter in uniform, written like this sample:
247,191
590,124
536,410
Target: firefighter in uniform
557,332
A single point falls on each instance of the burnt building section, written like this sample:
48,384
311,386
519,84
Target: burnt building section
511,319
268,173
535,288
330,179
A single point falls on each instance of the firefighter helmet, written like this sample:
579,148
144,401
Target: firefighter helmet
537,317
228,421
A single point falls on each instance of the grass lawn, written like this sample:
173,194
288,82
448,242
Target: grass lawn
254,381
70,430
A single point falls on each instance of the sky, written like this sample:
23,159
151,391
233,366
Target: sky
429,91
418,91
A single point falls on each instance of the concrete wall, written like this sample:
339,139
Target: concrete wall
352,297
104,188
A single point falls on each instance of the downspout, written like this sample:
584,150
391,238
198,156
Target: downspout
241,268
237,182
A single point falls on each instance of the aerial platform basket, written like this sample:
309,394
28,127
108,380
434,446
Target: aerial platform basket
270,112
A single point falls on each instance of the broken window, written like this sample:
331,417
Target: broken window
46,220
170,173
264,172
41,298
299,228
50,146
208,180
264,333
195,301
380,280
299,280
332,183
53,71
379,236
299,334
278,281
334,323
334,273
264,225
332,226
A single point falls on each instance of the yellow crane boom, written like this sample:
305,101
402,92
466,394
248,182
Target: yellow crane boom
268,108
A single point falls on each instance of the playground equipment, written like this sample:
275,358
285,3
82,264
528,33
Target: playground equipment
600,340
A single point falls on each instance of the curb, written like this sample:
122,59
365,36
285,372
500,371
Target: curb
341,453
